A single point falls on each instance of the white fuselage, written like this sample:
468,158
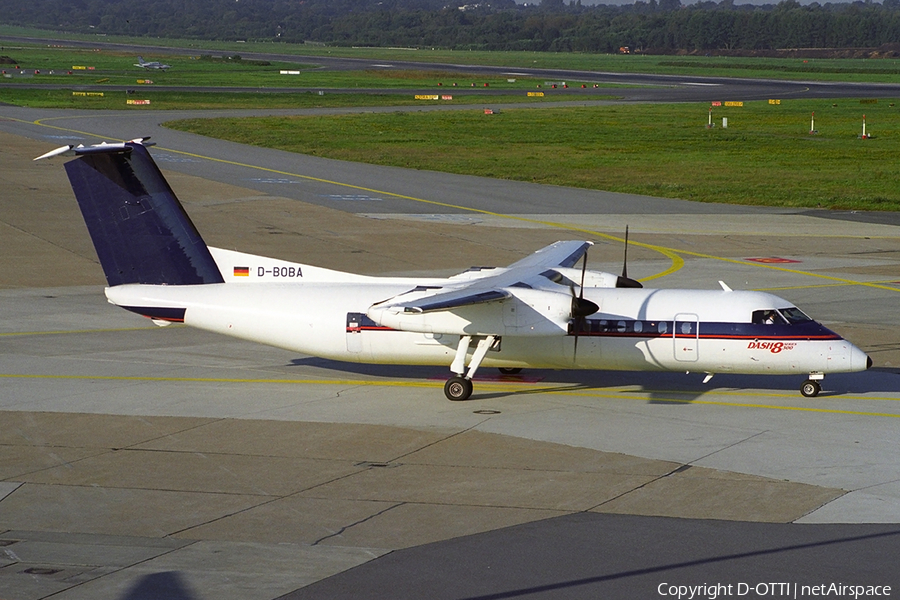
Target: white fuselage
635,329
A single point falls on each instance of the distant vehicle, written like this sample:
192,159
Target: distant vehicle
538,312
151,65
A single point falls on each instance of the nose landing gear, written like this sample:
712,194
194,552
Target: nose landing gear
810,388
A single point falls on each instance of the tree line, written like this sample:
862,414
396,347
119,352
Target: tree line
552,25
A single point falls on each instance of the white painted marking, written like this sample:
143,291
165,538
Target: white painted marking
351,198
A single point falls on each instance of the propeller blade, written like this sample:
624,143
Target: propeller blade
583,270
581,308
575,352
625,281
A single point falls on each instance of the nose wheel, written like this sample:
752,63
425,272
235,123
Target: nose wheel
810,388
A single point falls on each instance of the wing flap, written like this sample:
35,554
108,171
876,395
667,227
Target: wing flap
450,300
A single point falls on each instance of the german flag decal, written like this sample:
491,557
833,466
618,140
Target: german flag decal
242,271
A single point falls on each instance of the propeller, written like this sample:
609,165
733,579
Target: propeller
625,281
581,308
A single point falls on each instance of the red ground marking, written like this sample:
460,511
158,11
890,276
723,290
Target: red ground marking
500,378
773,260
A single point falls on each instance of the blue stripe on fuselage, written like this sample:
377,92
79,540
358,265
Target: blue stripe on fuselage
612,327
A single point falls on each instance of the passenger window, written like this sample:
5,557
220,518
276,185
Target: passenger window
621,327
685,327
662,327
638,326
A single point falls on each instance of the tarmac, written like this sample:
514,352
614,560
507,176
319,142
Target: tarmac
144,462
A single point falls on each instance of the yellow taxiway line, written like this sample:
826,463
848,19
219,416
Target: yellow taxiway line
674,397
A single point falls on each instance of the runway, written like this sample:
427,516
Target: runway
143,462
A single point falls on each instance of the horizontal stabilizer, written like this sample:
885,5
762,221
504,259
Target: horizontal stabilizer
101,147
57,152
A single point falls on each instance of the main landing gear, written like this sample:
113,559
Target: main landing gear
459,387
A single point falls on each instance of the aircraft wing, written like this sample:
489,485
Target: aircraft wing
475,305
490,285
558,254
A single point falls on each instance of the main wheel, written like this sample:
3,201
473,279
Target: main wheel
810,388
509,370
458,388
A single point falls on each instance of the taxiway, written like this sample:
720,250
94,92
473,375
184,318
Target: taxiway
147,462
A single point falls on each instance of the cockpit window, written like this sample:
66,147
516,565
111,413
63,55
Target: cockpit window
768,316
794,315
781,316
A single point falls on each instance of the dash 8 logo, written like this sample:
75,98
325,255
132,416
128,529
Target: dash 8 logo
773,347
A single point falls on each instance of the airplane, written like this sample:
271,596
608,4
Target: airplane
539,312
151,65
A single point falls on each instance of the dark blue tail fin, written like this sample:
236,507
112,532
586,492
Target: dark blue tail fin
139,228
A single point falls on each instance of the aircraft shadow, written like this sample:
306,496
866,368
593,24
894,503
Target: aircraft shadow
168,585
589,556
662,387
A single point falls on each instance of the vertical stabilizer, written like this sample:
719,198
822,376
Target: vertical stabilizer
139,228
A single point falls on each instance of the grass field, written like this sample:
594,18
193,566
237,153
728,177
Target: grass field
872,70
766,156
117,100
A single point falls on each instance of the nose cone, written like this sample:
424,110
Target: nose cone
859,360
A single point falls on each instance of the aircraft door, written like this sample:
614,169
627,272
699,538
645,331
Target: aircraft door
686,337
354,332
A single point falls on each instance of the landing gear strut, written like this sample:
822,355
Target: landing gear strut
460,387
